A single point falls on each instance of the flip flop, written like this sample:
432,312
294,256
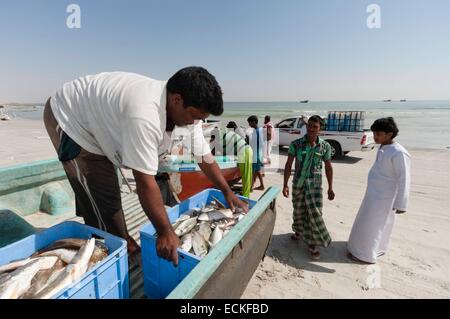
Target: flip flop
314,253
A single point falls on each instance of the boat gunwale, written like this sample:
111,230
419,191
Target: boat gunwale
195,280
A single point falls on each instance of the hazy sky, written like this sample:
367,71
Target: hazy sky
277,50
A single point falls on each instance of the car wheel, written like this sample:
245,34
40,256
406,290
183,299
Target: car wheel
336,150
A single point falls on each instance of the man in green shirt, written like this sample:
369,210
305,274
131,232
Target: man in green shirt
309,152
230,143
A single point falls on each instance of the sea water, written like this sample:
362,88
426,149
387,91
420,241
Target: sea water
422,124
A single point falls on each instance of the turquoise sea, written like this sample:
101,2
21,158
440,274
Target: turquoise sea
422,124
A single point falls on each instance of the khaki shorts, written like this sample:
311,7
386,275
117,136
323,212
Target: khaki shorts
95,183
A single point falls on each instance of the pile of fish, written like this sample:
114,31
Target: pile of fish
51,269
201,229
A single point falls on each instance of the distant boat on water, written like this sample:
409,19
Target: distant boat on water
304,101
403,100
3,115
387,101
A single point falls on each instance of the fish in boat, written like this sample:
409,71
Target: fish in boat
199,245
186,226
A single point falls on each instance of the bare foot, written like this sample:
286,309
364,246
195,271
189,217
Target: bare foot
260,188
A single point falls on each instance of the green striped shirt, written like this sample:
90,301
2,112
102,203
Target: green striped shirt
308,159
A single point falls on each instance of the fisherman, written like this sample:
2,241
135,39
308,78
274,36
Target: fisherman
238,130
387,194
270,134
99,122
256,140
309,152
230,143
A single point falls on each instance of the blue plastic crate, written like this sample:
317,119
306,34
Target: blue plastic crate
160,275
107,280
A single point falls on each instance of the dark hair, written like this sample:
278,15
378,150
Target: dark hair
387,125
198,88
267,118
232,124
253,118
317,119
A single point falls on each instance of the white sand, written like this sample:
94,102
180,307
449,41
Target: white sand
416,266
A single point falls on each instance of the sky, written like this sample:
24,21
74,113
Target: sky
273,50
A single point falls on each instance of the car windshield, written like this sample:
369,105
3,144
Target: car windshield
289,123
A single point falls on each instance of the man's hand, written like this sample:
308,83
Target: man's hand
286,191
331,194
153,205
234,202
167,244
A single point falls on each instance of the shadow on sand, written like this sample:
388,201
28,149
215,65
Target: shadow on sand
295,254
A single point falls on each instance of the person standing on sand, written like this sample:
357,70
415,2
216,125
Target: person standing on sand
229,143
309,152
270,134
238,130
256,141
387,194
118,119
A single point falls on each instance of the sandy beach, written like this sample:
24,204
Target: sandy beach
416,266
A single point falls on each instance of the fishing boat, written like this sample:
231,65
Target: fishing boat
3,115
304,101
37,195
187,179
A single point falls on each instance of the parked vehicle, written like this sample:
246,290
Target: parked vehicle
342,142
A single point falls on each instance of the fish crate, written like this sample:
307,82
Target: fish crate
160,275
107,280
349,121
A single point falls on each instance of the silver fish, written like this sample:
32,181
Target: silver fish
227,224
14,265
41,279
70,243
216,215
19,281
65,255
186,226
186,242
204,229
218,202
216,237
71,273
181,219
199,244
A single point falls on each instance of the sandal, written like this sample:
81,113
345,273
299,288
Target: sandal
350,256
314,253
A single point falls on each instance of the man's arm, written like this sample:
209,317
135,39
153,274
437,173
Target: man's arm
269,133
152,203
329,173
209,166
287,174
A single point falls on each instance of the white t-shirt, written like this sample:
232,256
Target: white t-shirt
121,116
